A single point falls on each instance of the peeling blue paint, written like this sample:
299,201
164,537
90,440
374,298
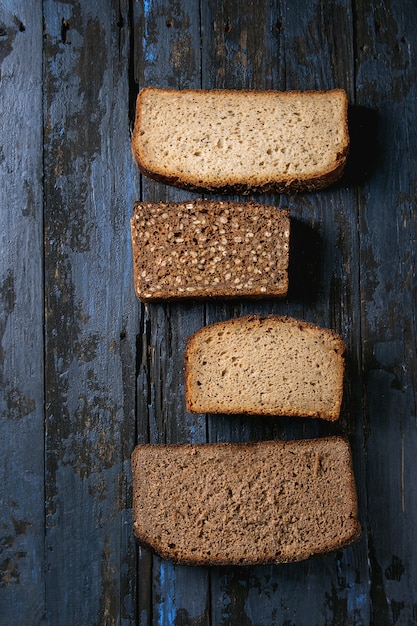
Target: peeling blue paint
166,608
147,6
149,50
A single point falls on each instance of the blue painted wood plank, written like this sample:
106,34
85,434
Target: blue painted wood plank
91,314
22,597
168,55
96,372
294,47
386,79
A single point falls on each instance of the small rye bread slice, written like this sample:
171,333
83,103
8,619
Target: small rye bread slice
244,503
205,249
266,366
233,141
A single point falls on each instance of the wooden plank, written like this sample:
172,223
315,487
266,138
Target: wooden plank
238,59
91,314
294,47
234,55
167,54
386,79
22,597
113,368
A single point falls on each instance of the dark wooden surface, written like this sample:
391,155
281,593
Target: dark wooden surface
86,372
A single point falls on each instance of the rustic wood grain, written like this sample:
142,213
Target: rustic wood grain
299,43
21,316
386,78
167,54
87,372
91,315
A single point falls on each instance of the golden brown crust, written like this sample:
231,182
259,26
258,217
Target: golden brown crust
280,184
189,356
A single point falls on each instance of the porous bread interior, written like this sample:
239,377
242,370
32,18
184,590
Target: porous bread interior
267,366
210,248
244,503
241,137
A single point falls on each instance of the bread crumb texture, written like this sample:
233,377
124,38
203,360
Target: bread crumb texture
251,503
267,366
209,249
242,140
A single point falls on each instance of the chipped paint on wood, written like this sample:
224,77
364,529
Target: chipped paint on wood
86,371
21,316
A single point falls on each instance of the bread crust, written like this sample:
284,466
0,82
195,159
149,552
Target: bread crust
146,535
189,356
279,184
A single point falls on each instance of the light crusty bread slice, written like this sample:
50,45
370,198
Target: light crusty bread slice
244,503
265,365
241,141
209,248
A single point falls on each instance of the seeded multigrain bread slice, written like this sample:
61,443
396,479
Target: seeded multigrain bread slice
265,365
241,141
205,248
244,504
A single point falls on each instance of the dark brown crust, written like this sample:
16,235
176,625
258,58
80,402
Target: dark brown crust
282,185
207,294
165,554
263,559
259,318
290,186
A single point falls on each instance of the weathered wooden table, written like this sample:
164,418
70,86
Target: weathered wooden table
87,372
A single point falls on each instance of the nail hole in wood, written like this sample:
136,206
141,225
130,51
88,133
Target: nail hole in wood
279,26
64,30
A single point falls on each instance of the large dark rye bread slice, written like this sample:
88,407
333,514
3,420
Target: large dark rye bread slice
244,503
241,141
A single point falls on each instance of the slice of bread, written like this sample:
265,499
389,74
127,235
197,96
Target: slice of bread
265,365
241,141
244,503
206,249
